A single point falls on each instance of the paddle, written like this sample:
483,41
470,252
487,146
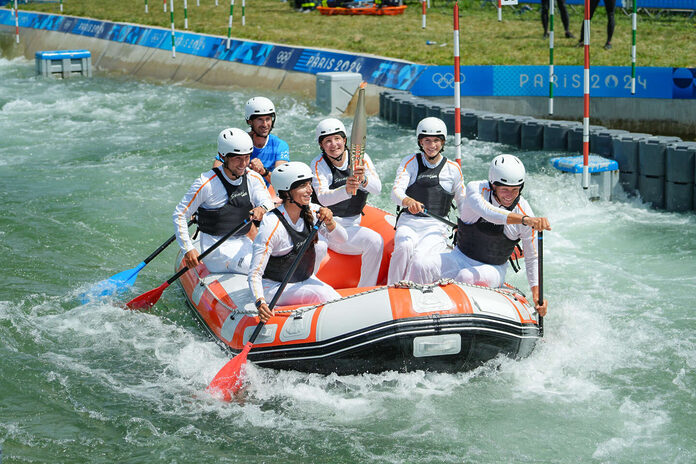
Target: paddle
125,279
440,218
541,280
228,381
148,299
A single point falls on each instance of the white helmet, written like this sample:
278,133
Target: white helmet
330,126
506,170
431,126
285,176
234,142
259,106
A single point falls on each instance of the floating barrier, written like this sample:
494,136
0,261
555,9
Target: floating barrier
658,168
63,63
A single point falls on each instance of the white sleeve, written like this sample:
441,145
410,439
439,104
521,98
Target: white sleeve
196,195
458,187
322,180
264,243
476,202
258,193
374,184
406,171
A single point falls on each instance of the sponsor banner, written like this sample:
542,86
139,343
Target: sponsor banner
241,51
439,81
605,81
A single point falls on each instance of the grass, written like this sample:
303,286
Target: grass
668,40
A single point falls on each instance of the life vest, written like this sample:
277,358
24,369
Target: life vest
278,266
427,189
220,221
353,205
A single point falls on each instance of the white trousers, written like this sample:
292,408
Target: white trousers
456,265
416,238
364,242
232,256
310,291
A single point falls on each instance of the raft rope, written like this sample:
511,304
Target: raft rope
424,288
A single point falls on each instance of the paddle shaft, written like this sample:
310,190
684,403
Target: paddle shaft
211,249
440,218
164,245
284,284
541,279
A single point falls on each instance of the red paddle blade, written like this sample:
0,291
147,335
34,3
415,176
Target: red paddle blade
228,381
148,299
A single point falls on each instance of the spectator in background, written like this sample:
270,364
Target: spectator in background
564,18
609,5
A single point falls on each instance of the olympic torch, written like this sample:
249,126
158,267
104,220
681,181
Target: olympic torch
358,133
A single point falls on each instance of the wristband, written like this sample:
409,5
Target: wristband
258,303
266,172
522,220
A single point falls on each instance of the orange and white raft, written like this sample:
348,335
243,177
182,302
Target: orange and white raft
446,326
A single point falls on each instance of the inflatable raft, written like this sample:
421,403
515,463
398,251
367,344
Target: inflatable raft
362,10
445,327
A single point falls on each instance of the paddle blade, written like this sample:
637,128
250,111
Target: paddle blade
117,283
148,299
228,381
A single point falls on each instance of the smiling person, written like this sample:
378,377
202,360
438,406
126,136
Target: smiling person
425,180
494,218
282,233
224,197
333,184
269,150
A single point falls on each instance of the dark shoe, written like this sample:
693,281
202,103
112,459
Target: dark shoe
580,44
546,35
569,35
607,46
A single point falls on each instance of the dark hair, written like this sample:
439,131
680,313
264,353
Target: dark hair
307,215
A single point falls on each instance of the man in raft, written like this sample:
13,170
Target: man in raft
345,194
269,150
424,181
282,233
493,219
224,197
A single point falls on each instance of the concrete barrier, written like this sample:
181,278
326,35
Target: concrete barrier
488,126
625,151
532,135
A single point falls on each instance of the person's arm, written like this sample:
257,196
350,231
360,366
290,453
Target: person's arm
407,170
188,205
332,230
264,244
528,237
371,183
259,195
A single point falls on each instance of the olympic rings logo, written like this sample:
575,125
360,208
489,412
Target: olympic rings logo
283,57
443,80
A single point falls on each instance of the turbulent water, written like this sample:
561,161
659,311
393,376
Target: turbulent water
90,172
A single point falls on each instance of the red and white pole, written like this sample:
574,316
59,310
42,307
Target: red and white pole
16,12
586,101
423,14
457,92
164,5
500,10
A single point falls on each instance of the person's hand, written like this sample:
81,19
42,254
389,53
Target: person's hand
413,206
542,309
257,213
191,258
257,166
352,184
326,215
537,223
265,312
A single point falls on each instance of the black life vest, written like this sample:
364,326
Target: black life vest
220,221
485,241
353,205
278,266
427,189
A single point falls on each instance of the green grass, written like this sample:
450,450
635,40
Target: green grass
669,40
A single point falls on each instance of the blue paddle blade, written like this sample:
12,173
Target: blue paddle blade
117,283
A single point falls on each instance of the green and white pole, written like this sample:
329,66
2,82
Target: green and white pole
61,6
171,16
146,7
634,26
551,37
229,27
185,15
243,15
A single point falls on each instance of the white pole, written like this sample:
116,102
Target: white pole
243,14
185,15
171,15
423,20
551,37
16,12
457,91
229,27
586,103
